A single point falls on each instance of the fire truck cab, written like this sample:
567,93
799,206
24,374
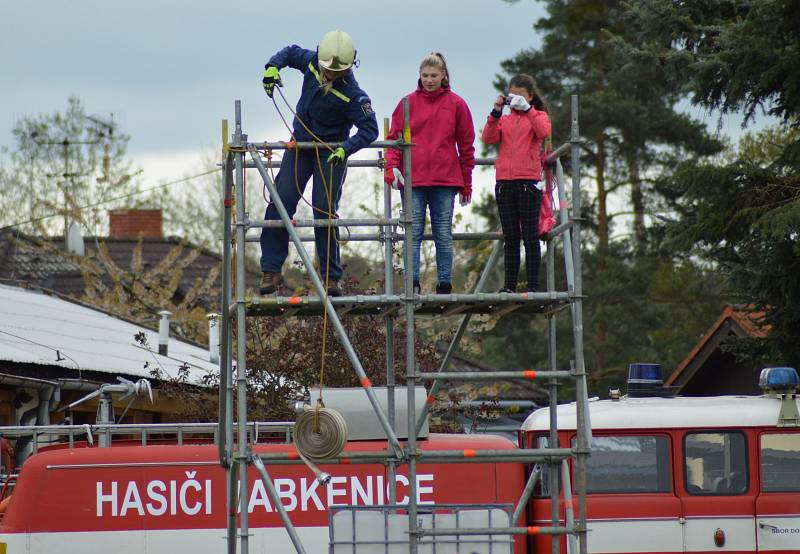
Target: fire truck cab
681,474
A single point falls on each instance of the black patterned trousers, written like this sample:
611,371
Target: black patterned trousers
518,203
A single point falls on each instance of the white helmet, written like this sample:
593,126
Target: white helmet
336,51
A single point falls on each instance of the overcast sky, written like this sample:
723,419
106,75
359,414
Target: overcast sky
170,70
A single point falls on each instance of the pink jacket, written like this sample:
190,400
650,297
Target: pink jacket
443,135
520,135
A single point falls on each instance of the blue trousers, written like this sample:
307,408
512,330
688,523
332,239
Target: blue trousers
440,202
297,167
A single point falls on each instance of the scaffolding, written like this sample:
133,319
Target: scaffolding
235,452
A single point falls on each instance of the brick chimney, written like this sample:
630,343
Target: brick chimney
132,223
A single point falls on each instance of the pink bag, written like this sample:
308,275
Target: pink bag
547,218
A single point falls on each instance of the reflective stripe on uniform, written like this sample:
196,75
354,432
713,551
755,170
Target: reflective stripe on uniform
335,92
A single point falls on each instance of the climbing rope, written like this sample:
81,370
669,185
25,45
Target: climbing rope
320,432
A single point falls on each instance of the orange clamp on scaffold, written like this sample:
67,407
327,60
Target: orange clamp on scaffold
533,530
366,383
295,300
469,453
529,374
431,400
290,144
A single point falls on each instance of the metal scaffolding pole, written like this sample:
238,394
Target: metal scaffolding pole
582,408
242,451
411,369
225,432
388,278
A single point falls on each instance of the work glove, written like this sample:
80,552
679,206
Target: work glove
465,196
394,178
337,157
271,78
518,103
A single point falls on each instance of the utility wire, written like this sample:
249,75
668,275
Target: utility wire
58,352
81,208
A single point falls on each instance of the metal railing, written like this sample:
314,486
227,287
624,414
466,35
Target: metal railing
143,433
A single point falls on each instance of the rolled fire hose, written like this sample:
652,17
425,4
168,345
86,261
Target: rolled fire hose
319,433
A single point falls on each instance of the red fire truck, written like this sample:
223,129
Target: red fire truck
678,474
682,474
167,498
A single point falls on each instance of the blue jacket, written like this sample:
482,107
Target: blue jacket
330,116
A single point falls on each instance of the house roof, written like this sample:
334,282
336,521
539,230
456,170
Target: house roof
40,328
742,323
43,263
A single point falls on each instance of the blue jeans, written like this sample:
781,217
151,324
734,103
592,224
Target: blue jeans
290,185
440,200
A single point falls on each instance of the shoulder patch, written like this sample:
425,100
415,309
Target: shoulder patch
366,107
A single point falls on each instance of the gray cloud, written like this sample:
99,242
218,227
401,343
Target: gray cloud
171,70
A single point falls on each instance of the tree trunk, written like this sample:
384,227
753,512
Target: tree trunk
637,202
602,210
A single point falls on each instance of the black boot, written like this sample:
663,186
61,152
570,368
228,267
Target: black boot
444,288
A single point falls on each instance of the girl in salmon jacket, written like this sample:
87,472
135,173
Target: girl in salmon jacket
518,168
441,162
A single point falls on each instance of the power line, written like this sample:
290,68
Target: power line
88,206
58,352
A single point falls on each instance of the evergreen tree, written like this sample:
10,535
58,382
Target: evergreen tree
742,213
628,116
640,300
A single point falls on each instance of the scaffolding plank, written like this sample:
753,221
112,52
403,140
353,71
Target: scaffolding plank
444,305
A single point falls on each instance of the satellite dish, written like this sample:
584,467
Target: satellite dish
75,239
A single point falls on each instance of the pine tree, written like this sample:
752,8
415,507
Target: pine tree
741,213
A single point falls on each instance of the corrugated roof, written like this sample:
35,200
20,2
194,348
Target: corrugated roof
38,328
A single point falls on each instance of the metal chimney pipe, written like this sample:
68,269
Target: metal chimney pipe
213,337
163,332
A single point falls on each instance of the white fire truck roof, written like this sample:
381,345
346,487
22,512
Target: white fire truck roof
666,413
38,328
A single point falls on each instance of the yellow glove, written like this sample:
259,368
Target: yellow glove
271,78
337,157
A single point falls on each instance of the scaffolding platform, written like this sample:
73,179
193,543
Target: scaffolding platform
425,304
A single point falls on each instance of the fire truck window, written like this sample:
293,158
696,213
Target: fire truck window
780,462
542,487
629,464
715,463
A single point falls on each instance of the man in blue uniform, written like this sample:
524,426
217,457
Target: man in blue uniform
330,104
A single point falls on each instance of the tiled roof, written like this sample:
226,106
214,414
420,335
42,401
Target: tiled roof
43,263
745,322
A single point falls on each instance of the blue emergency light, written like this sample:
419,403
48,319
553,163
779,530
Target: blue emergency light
779,379
644,379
